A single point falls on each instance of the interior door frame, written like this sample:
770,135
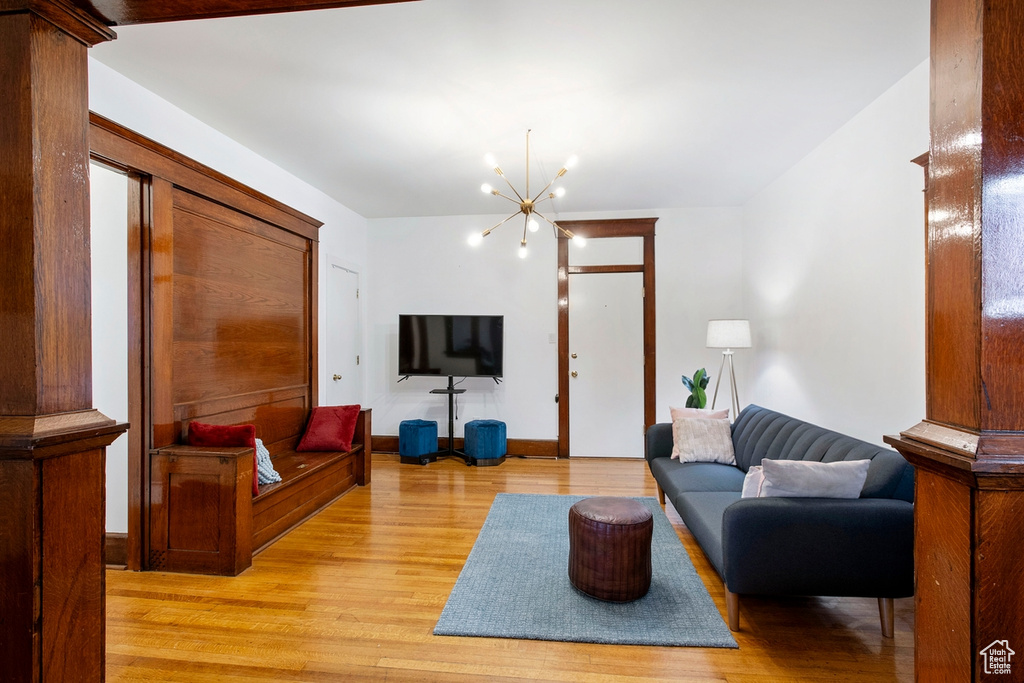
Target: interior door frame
598,229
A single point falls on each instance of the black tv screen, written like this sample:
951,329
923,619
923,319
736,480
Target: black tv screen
457,345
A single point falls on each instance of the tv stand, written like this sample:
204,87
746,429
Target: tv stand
451,391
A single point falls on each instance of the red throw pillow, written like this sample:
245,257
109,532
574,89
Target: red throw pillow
330,428
201,434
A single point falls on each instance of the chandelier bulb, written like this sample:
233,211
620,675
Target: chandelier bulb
559,192
578,240
490,161
486,189
475,239
533,225
522,249
572,161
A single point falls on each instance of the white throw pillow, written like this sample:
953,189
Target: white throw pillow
811,479
701,439
752,482
688,413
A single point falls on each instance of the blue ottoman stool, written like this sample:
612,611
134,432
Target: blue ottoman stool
417,441
485,442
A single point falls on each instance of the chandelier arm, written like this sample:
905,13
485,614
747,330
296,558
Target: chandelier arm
497,193
512,187
526,224
556,226
504,221
546,188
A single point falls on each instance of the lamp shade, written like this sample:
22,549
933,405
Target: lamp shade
728,334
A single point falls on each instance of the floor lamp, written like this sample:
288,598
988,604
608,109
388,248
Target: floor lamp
728,335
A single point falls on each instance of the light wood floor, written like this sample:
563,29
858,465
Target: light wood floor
354,593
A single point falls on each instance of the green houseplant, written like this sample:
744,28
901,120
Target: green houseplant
698,397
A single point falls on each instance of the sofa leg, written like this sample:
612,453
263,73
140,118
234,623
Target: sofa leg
661,495
732,610
887,616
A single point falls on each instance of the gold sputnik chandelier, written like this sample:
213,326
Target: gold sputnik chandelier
527,203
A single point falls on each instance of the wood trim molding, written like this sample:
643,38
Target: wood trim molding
527,448
121,147
598,229
125,12
77,22
579,270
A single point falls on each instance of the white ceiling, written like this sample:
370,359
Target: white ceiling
668,103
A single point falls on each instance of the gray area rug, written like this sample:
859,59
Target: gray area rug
515,584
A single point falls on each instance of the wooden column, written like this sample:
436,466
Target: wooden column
52,443
969,450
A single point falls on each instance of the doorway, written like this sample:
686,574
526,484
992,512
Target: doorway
343,369
608,357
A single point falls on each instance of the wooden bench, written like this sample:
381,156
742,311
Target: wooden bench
203,516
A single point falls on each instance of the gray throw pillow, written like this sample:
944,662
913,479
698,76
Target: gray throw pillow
811,479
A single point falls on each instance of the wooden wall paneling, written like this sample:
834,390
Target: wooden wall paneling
73,540
1002,220
20,641
238,296
954,286
124,12
943,542
161,314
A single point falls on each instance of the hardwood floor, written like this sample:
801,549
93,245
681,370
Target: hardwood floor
354,593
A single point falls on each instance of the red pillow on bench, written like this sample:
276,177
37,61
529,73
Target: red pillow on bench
209,436
330,428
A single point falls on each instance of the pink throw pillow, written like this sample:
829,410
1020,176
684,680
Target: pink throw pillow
330,428
687,413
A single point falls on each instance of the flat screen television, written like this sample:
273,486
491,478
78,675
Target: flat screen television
456,345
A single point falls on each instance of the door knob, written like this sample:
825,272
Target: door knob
574,355
575,374
336,378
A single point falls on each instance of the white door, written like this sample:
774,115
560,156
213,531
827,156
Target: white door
606,365
344,364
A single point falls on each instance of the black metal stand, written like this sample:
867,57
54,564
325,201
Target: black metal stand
451,391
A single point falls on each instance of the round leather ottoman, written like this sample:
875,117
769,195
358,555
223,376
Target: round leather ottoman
610,548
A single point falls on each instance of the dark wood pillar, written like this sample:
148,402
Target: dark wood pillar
969,450
52,443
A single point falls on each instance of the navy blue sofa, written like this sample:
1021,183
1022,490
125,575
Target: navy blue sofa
862,547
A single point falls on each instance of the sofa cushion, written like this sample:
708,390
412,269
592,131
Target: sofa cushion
694,476
702,512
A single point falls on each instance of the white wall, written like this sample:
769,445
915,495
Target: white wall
424,265
834,274
343,235
109,243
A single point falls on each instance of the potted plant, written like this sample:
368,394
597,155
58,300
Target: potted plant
698,397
